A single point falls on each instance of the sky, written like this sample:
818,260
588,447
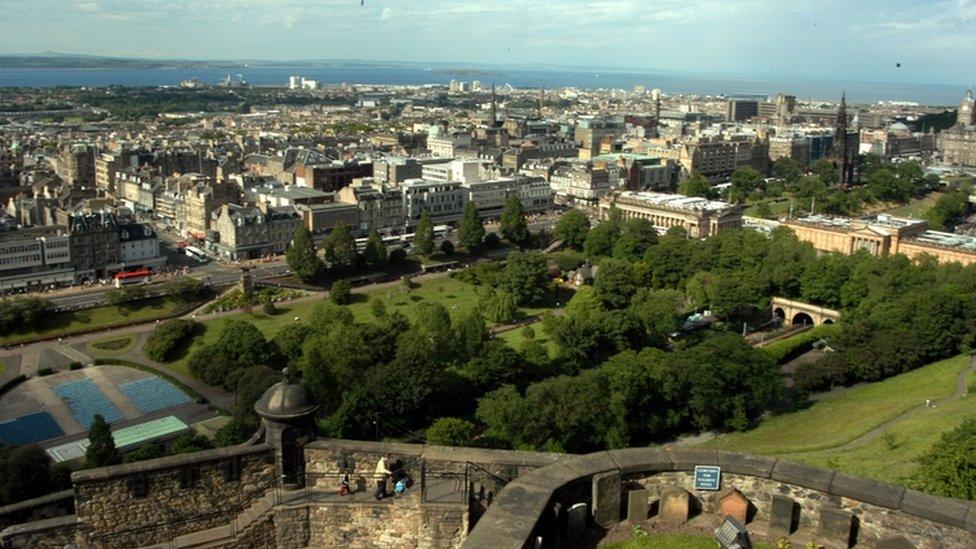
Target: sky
865,40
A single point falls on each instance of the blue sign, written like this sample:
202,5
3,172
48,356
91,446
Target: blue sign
708,477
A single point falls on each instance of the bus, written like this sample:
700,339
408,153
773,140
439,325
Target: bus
195,253
132,277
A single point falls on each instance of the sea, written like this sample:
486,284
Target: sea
674,83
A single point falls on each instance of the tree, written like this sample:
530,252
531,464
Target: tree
601,239
341,292
471,233
949,467
301,256
470,333
572,228
378,307
763,210
423,237
375,251
186,289
144,452
696,185
497,305
188,444
826,171
243,344
513,225
340,248
101,449
526,276
636,236
744,182
25,473
168,338
125,298
786,169
447,248
613,283
450,431
947,210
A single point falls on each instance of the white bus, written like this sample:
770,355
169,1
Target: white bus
195,253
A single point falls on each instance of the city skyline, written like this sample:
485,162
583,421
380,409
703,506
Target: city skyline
896,41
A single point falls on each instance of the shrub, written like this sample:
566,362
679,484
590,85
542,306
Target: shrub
397,256
168,338
76,366
45,372
451,431
447,248
12,383
341,292
787,349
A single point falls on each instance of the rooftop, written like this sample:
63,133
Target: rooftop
676,201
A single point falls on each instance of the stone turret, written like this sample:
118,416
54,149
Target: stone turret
287,413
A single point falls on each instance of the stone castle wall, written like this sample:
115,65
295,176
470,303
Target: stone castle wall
875,522
154,501
393,525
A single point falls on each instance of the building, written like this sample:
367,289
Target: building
957,145
883,235
740,110
76,164
792,146
640,172
323,217
582,182
462,171
253,232
700,217
35,257
717,157
380,205
139,247
95,247
443,201
201,199
896,141
490,196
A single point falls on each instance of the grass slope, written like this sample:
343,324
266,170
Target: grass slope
98,318
839,420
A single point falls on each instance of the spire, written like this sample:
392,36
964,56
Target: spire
494,107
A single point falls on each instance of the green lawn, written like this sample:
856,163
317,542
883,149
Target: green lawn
893,459
112,345
458,297
65,324
836,421
674,541
917,207
514,338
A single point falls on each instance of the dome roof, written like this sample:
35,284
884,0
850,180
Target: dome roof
434,131
285,400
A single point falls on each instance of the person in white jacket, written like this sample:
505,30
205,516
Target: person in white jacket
382,473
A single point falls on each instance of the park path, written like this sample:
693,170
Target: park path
961,389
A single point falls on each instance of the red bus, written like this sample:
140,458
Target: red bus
132,277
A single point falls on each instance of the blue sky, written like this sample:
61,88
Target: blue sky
822,39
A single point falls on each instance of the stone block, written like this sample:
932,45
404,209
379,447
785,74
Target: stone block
576,523
684,458
866,490
606,493
642,460
675,506
896,542
734,504
802,475
836,527
945,510
638,505
744,464
783,513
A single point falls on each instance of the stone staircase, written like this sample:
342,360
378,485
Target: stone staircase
221,536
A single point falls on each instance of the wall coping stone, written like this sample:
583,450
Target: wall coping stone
746,464
168,462
441,453
867,490
938,509
802,475
684,458
37,502
38,526
635,460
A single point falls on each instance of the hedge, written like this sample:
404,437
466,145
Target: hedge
787,349
12,383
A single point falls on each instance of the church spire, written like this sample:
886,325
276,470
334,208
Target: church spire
494,106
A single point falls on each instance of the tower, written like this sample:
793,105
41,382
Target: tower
494,106
967,110
287,414
844,146
542,100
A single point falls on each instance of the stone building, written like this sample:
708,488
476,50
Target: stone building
95,249
253,232
700,217
957,145
380,205
322,218
139,246
35,256
442,200
883,235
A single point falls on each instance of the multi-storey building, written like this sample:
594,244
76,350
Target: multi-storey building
35,257
253,232
95,250
323,217
582,182
490,196
380,205
139,247
700,217
883,235
442,200
957,145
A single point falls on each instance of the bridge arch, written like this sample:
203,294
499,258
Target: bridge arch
799,313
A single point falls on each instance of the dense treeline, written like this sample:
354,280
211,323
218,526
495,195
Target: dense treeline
169,337
23,313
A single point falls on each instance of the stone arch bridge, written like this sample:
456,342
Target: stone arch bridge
798,313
